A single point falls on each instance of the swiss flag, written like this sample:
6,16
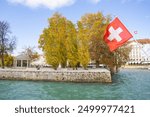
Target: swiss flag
116,34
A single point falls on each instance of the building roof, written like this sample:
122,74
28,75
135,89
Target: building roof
140,41
22,57
144,41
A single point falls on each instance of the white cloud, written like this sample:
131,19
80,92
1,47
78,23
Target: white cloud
51,4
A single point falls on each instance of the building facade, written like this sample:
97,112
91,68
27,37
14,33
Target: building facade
22,60
140,53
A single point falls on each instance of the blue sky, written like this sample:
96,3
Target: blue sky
27,18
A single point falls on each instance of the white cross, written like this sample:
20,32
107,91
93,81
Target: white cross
114,34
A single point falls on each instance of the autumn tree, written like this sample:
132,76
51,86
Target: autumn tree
7,43
95,24
72,45
50,47
53,41
114,60
83,45
62,37
62,42
8,60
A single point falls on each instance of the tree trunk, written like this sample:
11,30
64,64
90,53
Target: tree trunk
113,70
2,59
85,68
63,65
77,65
117,69
97,64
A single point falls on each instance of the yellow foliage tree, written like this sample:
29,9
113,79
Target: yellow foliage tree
95,24
61,42
55,39
8,60
72,45
83,46
49,43
93,28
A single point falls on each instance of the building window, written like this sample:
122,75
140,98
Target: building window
24,63
18,63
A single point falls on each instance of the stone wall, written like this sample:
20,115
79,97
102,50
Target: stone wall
99,75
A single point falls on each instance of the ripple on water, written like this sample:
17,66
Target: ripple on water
127,84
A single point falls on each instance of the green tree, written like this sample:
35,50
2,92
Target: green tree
7,43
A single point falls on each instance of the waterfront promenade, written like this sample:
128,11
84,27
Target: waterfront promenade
137,66
60,75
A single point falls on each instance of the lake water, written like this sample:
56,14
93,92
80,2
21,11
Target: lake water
127,84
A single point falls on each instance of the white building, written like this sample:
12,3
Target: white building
140,53
22,60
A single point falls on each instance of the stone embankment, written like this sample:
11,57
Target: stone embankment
92,75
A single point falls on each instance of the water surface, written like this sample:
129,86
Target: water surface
127,84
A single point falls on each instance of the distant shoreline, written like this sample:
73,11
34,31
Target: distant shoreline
136,66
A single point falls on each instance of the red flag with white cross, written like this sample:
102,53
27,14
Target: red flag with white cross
116,34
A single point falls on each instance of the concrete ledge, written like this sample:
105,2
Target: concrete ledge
92,75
